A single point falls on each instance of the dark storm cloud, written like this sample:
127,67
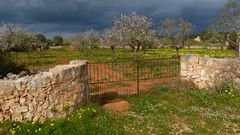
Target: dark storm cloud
69,16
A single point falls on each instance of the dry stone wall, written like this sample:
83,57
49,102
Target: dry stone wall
46,95
205,71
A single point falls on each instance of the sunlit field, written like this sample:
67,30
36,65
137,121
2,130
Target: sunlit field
48,58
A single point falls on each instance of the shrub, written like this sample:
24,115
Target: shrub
57,40
8,65
180,84
228,87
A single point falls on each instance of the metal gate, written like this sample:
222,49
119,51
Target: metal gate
127,77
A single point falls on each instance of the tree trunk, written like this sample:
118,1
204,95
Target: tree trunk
113,57
144,49
177,51
113,53
135,54
138,47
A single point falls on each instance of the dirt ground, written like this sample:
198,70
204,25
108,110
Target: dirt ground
120,80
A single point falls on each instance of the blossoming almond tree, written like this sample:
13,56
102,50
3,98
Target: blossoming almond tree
134,30
13,38
88,39
112,37
7,36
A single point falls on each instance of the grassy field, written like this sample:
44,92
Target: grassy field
49,58
160,111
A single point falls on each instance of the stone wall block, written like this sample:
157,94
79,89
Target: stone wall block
32,98
39,81
184,66
203,70
5,106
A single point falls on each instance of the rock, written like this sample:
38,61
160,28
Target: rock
11,76
50,114
26,97
117,105
22,100
5,106
36,118
23,109
17,117
6,116
29,116
21,74
1,116
183,73
15,109
30,106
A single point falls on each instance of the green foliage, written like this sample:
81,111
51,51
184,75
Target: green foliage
42,38
202,96
165,112
58,40
51,56
129,75
7,64
179,84
228,87
88,120
205,35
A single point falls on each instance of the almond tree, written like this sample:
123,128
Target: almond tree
92,38
230,18
7,33
135,30
16,39
112,37
77,41
88,39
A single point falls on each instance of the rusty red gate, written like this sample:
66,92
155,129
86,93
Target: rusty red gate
127,77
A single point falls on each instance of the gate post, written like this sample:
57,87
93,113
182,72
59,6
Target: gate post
87,83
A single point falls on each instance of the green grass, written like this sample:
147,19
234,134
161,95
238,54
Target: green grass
53,57
160,111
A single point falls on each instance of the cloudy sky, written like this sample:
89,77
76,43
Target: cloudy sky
64,17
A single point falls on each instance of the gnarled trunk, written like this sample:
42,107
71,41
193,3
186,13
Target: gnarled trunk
177,51
135,54
113,52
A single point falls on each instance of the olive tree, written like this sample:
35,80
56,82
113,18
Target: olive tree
185,29
217,35
57,40
177,31
134,30
230,19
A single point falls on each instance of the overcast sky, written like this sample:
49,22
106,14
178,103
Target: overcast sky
64,17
